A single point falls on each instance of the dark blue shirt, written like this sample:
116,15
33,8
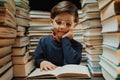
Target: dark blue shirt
59,53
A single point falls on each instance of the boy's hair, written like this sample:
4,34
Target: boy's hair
65,6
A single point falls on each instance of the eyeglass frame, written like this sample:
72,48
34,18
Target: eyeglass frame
68,24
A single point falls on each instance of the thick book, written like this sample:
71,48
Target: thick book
5,50
67,71
18,51
112,39
112,54
85,2
103,3
5,67
6,32
92,32
21,41
94,49
91,15
20,33
21,59
93,57
37,12
22,21
110,67
11,4
111,24
6,42
22,4
22,14
110,10
93,42
91,8
22,70
108,76
8,4
20,28
22,9
94,64
5,59
95,71
92,23
8,74
7,18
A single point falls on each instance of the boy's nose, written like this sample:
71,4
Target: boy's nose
62,26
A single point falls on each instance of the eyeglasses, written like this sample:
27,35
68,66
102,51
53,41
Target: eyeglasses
66,23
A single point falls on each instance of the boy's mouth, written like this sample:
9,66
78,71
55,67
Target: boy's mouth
62,31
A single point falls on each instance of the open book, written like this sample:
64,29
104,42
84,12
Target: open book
67,71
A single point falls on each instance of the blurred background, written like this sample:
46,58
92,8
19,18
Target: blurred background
46,5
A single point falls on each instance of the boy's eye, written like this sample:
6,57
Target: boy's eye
68,24
59,22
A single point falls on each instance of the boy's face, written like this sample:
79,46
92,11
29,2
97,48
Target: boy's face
63,23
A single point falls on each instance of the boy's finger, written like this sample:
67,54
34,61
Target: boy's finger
46,68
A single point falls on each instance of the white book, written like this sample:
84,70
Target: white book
110,10
67,71
112,39
103,3
84,2
93,23
111,68
111,24
92,32
112,54
91,8
108,76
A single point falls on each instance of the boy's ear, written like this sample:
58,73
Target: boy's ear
51,20
75,25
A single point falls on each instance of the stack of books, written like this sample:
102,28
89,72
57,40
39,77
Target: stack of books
22,60
110,59
7,38
39,27
92,35
79,36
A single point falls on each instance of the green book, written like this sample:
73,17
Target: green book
22,3
4,0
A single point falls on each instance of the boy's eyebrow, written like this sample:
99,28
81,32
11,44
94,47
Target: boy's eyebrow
64,20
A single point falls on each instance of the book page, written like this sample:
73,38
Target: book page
67,69
37,72
74,69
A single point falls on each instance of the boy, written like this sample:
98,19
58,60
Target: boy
59,48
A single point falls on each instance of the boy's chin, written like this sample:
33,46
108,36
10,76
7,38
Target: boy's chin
60,36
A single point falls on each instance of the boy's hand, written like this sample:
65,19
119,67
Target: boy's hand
46,65
69,34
